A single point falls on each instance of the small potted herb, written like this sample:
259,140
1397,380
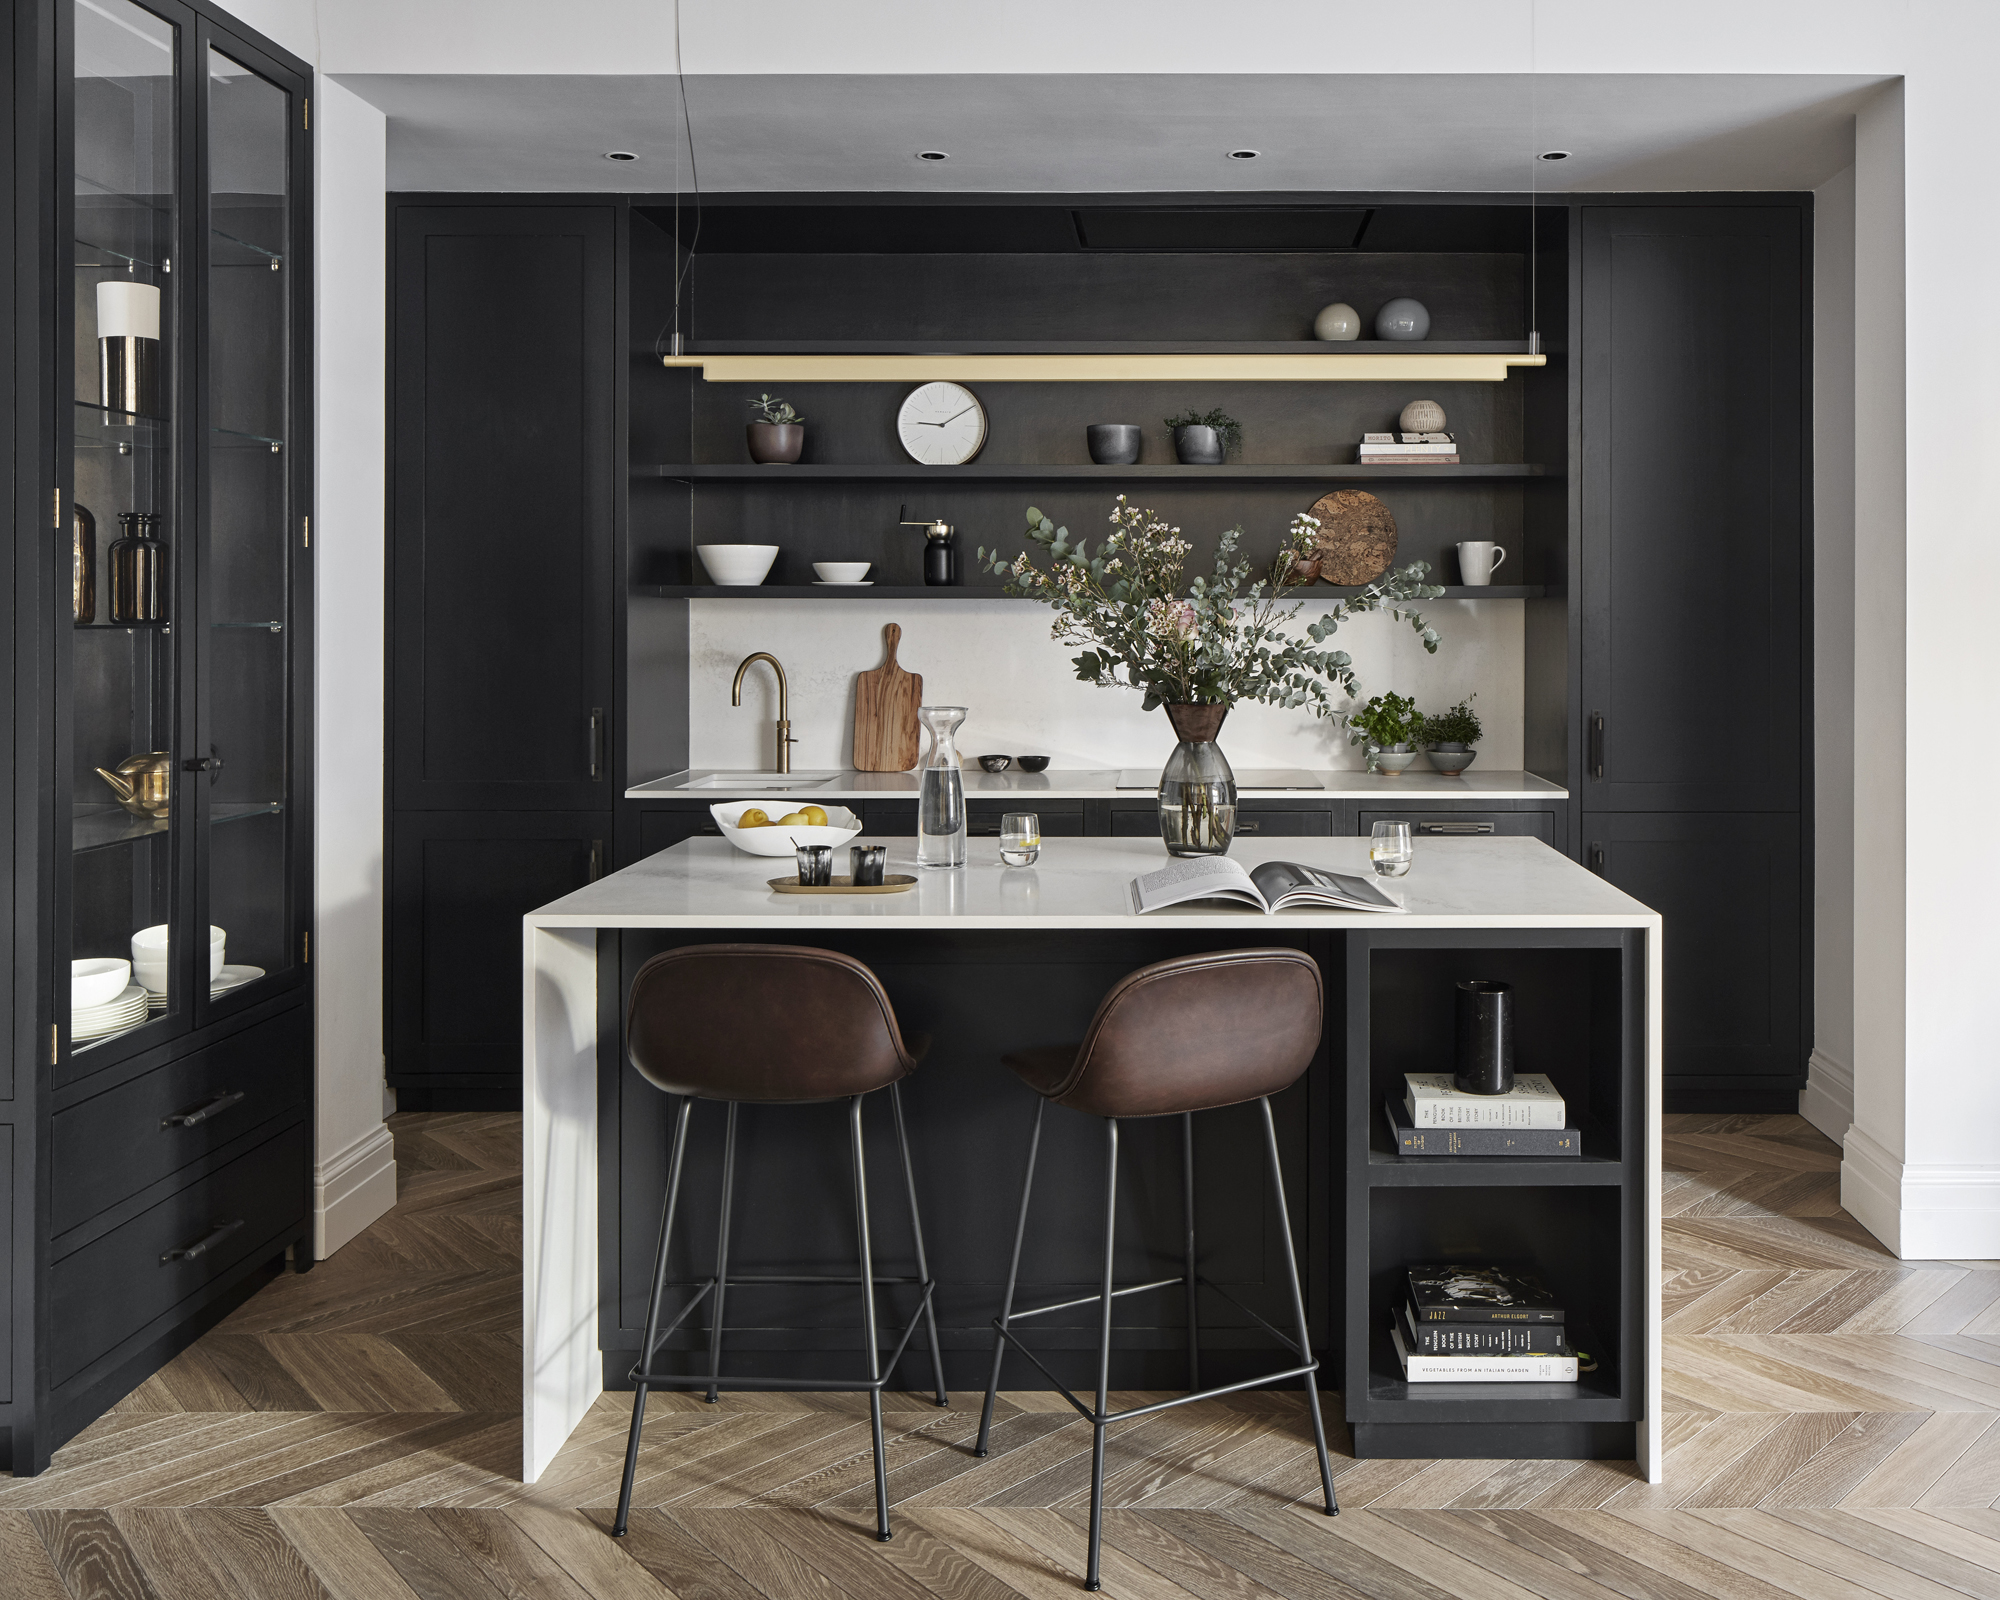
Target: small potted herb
1203,438
778,435
1449,736
1390,726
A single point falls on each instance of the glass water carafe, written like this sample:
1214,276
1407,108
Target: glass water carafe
941,794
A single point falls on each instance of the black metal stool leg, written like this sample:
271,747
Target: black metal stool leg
1091,1577
1013,1277
1298,1307
652,1316
1193,1287
722,1255
917,1233
868,1319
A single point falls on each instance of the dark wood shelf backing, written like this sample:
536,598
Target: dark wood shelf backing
1103,347
891,472
890,591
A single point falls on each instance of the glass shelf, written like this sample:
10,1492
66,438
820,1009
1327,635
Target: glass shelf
104,191
231,439
270,259
253,627
98,827
121,627
121,262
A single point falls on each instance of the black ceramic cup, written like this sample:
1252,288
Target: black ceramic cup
1113,444
865,863
815,865
1485,1037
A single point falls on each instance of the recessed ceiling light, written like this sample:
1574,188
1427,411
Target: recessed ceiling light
933,155
1244,155
1555,155
619,155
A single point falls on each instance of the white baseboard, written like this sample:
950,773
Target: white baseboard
1827,1100
1921,1211
352,1189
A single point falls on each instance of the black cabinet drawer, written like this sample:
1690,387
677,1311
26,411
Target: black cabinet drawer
1466,824
115,1285
662,830
897,819
116,1143
1252,822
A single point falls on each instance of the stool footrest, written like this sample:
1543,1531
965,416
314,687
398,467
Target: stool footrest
1090,1413
704,1381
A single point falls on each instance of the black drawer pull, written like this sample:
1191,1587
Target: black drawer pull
201,1113
1454,827
1597,859
1596,756
201,1247
1248,827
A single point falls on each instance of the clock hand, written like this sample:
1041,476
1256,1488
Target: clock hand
948,421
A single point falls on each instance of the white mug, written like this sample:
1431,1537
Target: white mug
1477,561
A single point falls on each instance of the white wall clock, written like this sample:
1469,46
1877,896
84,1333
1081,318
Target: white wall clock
942,425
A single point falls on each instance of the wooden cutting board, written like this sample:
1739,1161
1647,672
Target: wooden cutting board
885,713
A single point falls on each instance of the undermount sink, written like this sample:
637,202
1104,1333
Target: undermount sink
762,782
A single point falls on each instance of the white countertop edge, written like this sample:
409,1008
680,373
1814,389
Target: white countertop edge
782,916
1345,784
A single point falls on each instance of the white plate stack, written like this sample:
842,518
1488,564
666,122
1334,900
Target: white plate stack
126,1010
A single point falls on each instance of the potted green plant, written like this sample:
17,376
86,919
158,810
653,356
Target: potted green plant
1448,737
1204,438
1390,725
778,435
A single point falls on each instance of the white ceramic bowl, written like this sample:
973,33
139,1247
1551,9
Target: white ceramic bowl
778,841
841,571
149,955
737,565
97,981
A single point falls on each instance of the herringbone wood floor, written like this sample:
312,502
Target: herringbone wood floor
352,1434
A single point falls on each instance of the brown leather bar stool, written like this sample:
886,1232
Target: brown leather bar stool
772,1024
1172,1039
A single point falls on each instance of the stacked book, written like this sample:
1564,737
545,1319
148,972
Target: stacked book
1408,450
1482,1325
1436,1118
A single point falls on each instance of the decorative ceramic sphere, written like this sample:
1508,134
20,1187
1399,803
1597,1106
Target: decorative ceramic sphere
1337,321
1421,416
1403,319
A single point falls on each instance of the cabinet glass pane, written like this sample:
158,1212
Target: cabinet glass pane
246,576
124,544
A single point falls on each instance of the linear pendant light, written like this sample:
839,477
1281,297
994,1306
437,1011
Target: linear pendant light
1307,366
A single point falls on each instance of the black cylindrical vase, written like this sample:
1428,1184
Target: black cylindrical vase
1485,1037
138,562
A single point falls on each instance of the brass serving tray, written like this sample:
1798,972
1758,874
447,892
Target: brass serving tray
892,883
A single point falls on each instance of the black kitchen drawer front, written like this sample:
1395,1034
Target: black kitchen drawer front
897,819
1465,824
1252,822
114,1286
662,830
117,1143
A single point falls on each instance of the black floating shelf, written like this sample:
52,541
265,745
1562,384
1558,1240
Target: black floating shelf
891,591
1387,1170
911,472
1106,347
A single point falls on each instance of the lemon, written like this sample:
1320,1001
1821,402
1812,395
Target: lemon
755,817
792,819
814,815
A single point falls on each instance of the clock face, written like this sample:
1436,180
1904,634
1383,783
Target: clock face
942,425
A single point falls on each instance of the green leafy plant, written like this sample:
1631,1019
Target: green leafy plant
778,413
1387,719
1208,641
1226,427
1459,725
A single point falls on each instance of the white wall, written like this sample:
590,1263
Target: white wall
996,657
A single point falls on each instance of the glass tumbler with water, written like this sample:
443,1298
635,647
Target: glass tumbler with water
941,791
1020,838
1389,849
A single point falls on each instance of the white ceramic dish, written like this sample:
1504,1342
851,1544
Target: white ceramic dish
96,981
149,955
737,566
841,571
127,1011
779,841
233,978
828,583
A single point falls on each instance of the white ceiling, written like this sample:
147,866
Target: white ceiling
1118,132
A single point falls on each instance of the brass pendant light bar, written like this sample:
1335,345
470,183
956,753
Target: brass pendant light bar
1306,366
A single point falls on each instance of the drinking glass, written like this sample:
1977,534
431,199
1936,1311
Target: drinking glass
1020,838
1389,848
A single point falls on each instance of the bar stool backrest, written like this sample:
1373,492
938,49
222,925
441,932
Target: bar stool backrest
1198,1032
763,1022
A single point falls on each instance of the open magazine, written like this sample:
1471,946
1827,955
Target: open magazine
1274,886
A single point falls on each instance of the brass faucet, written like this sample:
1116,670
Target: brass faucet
785,739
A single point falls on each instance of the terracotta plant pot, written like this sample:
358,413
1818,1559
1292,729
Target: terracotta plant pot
1304,570
775,443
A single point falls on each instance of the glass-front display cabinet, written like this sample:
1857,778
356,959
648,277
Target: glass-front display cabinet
156,1101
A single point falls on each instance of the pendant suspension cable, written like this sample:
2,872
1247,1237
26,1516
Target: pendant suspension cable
1534,180
683,134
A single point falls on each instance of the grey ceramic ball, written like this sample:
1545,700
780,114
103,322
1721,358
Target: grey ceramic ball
1403,319
1337,321
1422,416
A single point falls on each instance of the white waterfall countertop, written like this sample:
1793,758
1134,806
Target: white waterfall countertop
1419,782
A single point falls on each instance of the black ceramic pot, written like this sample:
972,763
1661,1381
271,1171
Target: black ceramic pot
775,443
1198,447
1485,1037
1113,444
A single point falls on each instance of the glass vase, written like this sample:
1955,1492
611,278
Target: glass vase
1197,789
941,791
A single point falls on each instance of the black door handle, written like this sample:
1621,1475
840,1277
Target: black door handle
1596,859
201,1247
1596,758
596,860
1249,827
596,743
201,1113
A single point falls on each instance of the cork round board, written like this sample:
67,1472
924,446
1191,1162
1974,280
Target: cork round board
1357,537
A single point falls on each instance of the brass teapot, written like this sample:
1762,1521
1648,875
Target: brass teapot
143,784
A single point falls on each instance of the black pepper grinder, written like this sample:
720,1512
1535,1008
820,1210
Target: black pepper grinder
1485,1029
138,563
940,553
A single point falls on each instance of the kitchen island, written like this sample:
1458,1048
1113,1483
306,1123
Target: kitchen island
987,959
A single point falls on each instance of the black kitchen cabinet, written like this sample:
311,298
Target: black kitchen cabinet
1460,822
1732,889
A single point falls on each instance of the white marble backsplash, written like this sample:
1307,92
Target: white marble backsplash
996,658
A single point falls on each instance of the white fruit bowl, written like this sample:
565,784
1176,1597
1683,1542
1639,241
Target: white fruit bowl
737,566
97,981
779,841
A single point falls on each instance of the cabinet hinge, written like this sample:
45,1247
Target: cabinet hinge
55,1044
305,949
308,532
306,113
57,524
